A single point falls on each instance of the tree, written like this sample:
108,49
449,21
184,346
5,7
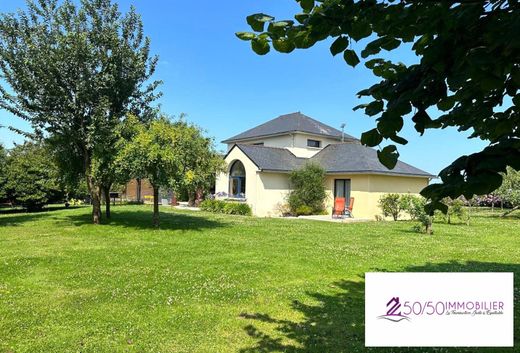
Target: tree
3,168
199,161
105,168
151,153
74,72
510,190
468,69
33,178
307,195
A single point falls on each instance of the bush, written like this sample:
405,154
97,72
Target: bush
456,208
237,208
216,206
413,205
308,190
220,206
304,210
390,205
33,179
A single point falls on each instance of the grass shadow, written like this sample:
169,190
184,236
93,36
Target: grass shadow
16,217
335,322
142,219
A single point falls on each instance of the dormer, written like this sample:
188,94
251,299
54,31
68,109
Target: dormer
300,134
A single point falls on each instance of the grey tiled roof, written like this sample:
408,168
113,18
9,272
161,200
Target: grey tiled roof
272,158
290,123
336,158
356,158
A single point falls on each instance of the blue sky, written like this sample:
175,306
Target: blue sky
224,87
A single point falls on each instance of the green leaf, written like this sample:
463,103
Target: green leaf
260,46
371,138
435,205
245,35
390,43
484,183
422,121
301,17
370,64
339,45
360,29
388,156
446,104
360,106
283,45
399,139
374,108
371,49
283,23
390,125
257,21
351,57
307,5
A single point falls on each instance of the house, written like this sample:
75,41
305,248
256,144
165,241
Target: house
259,161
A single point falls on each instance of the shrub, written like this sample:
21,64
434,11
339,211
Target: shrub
220,206
211,205
413,205
33,179
308,190
390,205
456,208
304,210
237,208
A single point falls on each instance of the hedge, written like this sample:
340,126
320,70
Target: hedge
227,207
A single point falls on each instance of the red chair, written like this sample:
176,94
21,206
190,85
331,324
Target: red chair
348,210
339,207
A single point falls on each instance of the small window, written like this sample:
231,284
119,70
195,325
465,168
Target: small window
258,144
314,143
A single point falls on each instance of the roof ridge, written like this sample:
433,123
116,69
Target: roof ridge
323,149
260,146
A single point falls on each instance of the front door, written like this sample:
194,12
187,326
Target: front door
342,189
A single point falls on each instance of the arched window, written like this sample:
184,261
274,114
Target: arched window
237,180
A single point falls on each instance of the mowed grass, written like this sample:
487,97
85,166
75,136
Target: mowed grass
216,283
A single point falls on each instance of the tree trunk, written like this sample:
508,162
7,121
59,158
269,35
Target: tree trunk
106,191
95,195
429,225
191,198
155,206
199,196
138,190
511,211
93,189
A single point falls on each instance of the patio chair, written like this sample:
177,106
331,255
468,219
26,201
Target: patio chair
348,210
338,210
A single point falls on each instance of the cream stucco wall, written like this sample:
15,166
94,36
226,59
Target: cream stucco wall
294,142
271,141
264,191
367,189
222,182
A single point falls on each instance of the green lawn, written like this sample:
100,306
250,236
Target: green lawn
215,283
